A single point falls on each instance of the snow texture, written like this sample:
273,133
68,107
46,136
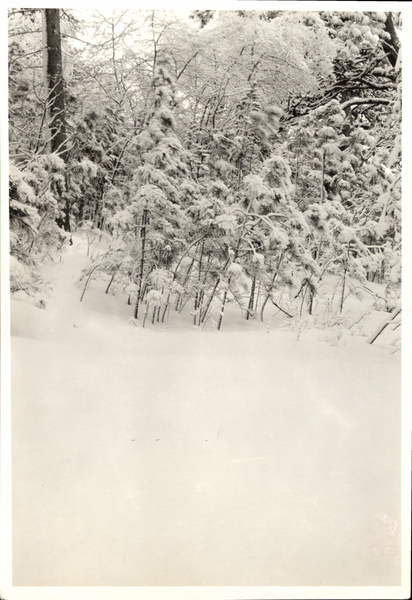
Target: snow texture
165,456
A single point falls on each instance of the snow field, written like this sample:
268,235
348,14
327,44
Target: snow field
174,457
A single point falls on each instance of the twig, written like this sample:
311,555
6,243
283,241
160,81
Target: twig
280,308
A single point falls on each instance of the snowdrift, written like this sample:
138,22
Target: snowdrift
164,455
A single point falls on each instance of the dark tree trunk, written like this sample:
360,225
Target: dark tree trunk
55,82
198,296
166,307
223,308
391,47
142,261
249,311
110,283
342,297
55,93
322,185
381,327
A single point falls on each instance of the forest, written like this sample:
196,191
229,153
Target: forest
224,156
205,215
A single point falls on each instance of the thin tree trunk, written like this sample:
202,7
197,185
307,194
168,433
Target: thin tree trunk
297,164
166,307
185,254
87,282
195,309
214,291
184,304
223,308
303,299
209,302
342,298
281,309
322,190
265,301
198,293
202,297
310,304
251,299
110,283
145,315
272,283
179,298
142,259
200,304
383,326
258,295
143,293
223,305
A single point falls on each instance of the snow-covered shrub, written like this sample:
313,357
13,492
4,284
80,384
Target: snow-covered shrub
23,278
33,211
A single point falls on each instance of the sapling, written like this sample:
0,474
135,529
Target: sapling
255,308
197,302
155,299
307,286
145,314
179,297
209,260
142,261
303,299
250,308
110,283
342,298
212,295
215,307
271,285
201,297
174,288
166,307
88,280
388,321
184,304
234,272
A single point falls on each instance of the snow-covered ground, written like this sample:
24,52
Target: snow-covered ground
168,456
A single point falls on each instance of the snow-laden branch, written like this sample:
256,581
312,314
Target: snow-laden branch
365,101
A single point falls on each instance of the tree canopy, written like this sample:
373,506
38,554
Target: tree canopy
224,155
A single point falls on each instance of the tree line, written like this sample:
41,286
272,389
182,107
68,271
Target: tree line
222,156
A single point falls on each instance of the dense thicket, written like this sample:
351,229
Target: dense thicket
223,155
